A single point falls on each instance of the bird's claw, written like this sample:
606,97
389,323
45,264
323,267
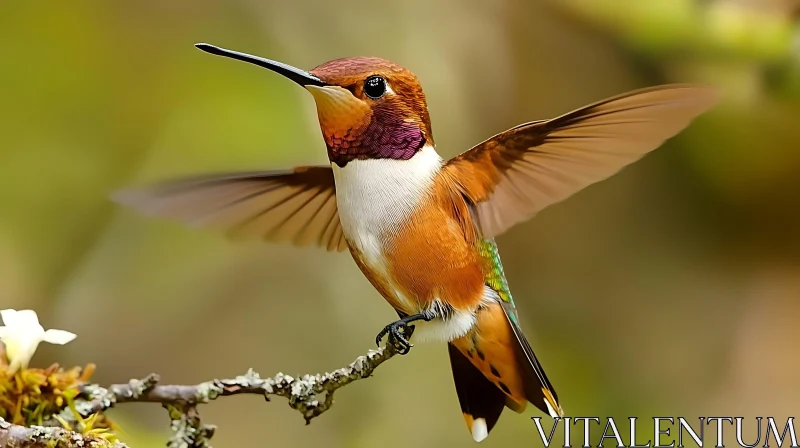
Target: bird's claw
399,332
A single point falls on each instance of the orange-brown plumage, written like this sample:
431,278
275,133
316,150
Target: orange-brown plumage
451,270
350,73
490,348
420,228
360,124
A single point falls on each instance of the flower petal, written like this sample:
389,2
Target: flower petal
26,318
7,316
59,337
3,332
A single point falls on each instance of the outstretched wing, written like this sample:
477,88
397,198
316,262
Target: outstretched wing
515,174
297,205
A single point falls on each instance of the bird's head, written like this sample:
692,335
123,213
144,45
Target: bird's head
368,108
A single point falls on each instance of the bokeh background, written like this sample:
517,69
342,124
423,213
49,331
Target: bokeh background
670,289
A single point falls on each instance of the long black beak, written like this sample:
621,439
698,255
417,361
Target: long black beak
295,74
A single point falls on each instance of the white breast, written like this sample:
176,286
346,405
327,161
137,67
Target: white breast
375,197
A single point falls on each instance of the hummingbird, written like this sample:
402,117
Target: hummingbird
421,228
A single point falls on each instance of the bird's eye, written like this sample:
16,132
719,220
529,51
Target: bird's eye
375,87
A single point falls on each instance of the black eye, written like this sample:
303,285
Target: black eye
375,87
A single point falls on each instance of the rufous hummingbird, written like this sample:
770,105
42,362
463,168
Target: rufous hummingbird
421,228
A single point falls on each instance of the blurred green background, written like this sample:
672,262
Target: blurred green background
670,289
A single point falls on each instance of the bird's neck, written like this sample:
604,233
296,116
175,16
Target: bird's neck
375,195
416,173
386,136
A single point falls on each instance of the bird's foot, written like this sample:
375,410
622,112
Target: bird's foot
400,331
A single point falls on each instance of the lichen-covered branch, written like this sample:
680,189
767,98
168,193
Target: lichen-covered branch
311,395
43,437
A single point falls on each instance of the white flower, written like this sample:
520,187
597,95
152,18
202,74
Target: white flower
22,334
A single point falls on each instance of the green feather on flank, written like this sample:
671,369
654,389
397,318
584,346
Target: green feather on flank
495,277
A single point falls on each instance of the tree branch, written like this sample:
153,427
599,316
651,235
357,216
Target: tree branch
41,437
311,395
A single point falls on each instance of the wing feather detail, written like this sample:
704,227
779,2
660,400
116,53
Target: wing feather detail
297,206
514,175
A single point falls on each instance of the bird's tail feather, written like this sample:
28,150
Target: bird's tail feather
494,366
481,401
